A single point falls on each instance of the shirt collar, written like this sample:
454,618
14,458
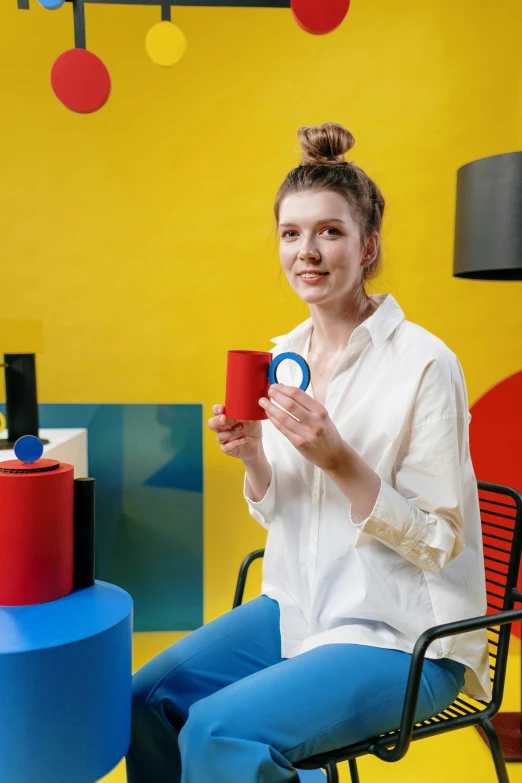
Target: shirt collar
379,325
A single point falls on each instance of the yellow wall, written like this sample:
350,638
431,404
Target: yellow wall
141,237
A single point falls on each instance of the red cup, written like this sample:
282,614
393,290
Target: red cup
247,382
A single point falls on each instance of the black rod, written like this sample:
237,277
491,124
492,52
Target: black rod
80,38
197,3
84,535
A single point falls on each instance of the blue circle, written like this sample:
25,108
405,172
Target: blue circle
272,370
52,5
28,448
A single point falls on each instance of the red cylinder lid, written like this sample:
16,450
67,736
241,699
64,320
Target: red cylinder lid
40,466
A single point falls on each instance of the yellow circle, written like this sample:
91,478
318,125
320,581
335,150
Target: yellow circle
165,44
3,423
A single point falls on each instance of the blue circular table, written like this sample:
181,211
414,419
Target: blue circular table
66,686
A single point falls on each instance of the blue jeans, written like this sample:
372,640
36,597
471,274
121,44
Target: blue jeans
222,706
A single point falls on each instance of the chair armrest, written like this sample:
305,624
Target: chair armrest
243,571
414,677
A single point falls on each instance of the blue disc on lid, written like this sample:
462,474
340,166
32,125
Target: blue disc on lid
52,5
28,448
272,370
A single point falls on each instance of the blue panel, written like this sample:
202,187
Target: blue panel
148,464
184,470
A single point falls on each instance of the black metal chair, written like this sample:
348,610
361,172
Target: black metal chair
501,517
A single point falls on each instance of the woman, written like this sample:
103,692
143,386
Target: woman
366,487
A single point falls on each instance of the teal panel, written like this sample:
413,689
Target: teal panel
148,464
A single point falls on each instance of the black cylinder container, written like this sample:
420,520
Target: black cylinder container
84,536
20,395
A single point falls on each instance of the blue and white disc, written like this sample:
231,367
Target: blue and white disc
272,370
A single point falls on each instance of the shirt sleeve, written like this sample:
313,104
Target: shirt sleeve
421,515
262,510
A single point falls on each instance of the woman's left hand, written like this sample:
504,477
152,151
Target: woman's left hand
315,435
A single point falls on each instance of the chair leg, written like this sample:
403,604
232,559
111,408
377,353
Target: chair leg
332,774
496,751
354,772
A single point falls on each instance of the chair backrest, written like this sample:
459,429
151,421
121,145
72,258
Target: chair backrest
501,517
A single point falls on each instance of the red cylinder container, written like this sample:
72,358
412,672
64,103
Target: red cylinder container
36,531
247,382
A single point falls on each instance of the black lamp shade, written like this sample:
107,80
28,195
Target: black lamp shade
488,219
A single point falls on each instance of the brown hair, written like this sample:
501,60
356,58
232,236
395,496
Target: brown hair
323,167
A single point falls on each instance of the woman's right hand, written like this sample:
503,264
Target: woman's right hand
240,439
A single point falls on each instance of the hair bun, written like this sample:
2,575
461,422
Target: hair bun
324,144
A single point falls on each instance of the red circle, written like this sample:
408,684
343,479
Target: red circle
495,433
81,81
319,16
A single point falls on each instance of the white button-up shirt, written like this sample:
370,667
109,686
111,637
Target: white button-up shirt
398,397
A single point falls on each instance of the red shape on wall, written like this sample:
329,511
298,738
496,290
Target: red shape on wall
81,81
495,436
319,16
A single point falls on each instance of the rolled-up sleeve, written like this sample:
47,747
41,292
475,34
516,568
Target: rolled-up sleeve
420,515
262,510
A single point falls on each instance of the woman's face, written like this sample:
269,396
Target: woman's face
320,246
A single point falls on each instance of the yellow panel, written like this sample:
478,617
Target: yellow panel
143,236
21,336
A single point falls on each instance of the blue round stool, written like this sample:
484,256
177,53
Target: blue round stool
66,686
